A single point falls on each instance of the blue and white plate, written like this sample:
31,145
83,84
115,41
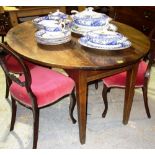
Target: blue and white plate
86,42
41,22
51,42
52,38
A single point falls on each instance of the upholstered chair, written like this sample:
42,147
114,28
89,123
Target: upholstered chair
36,88
142,79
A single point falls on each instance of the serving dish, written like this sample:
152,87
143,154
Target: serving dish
90,19
82,31
105,37
84,42
106,40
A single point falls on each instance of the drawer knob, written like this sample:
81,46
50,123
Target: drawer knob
147,14
145,28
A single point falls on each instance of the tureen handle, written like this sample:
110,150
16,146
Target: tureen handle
90,8
74,11
62,24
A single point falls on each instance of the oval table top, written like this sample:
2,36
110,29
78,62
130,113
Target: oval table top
72,55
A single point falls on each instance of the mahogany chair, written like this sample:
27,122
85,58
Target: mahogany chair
36,88
14,67
142,79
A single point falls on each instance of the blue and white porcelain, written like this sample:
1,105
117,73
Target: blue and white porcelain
105,38
58,15
52,18
52,37
109,41
83,31
90,19
41,22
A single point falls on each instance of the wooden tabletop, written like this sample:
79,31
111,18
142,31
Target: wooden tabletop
71,55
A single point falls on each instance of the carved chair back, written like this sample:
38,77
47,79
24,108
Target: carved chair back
152,48
5,50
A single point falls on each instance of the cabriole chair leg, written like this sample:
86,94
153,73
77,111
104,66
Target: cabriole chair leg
14,109
144,89
96,84
104,96
72,106
8,83
35,127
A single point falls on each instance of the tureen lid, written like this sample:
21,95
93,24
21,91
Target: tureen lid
58,15
87,13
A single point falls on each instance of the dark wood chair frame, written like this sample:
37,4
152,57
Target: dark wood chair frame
8,82
27,84
151,59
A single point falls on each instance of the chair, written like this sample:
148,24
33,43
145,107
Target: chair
142,79
14,67
36,88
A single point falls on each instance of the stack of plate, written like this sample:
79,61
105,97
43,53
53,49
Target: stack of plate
105,40
89,20
53,38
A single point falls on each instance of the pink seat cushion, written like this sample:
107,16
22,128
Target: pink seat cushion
14,66
47,85
119,80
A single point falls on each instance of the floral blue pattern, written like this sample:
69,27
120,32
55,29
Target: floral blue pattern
88,17
58,15
106,45
37,21
52,38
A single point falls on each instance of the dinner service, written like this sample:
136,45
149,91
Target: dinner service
95,27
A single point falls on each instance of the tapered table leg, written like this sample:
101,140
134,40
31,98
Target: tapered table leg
81,93
80,78
129,92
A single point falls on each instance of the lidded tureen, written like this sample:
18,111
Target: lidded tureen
106,40
90,19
